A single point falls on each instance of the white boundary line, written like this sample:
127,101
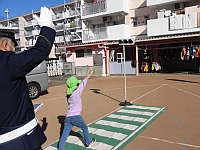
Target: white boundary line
114,89
166,141
184,91
101,90
126,139
147,93
133,101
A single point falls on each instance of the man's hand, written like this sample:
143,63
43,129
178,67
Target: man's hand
45,17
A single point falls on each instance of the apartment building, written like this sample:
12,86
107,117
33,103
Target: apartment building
173,35
103,21
66,22
87,34
82,27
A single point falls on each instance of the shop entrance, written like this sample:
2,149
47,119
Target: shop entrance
173,57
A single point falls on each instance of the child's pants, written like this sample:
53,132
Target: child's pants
68,125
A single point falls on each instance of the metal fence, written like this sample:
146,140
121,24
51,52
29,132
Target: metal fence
95,34
93,8
54,68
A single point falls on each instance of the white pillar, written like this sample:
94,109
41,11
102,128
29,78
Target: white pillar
104,63
137,62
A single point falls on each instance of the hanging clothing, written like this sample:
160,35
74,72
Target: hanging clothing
182,55
193,52
146,67
188,53
197,54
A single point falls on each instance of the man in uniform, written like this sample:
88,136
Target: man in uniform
19,129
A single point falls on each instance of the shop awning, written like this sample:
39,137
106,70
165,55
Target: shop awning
168,37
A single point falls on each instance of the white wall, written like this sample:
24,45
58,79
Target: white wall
119,5
158,27
118,31
160,2
84,61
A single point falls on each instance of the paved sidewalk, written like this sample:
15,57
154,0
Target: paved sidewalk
176,128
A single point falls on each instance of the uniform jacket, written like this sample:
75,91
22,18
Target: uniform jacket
16,107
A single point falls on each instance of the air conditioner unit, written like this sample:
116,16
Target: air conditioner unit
107,18
179,5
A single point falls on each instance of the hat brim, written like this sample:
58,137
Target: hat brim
71,90
9,33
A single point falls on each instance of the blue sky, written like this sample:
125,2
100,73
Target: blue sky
20,7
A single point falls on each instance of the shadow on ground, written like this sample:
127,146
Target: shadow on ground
98,91
178,80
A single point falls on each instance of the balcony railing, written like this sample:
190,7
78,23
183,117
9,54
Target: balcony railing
14,25
30,23
73,12
95,34
59,28
184,21
31,32
74,24
27,33
93,8
17,35
59,39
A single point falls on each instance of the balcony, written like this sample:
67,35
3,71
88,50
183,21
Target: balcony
30,23
106,33
163,2
178,24
59,39
30,42
31,33
104,7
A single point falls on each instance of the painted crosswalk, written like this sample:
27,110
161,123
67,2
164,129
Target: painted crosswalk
116,130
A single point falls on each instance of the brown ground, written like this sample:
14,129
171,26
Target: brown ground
177,128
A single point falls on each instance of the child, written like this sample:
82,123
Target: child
73,115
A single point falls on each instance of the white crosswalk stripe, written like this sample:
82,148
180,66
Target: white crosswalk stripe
109,134
117,125
137,119
144,107
127,121
136,112
50,148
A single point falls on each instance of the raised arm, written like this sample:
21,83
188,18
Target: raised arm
82,85
22,63
90,73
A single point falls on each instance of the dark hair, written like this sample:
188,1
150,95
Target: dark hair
68,95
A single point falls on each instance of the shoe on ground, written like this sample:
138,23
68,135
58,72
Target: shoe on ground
92,142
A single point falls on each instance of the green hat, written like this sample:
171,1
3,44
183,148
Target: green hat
72,84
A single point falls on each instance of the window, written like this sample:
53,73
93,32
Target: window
87,52
146,18
79,53
83,53
135,22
